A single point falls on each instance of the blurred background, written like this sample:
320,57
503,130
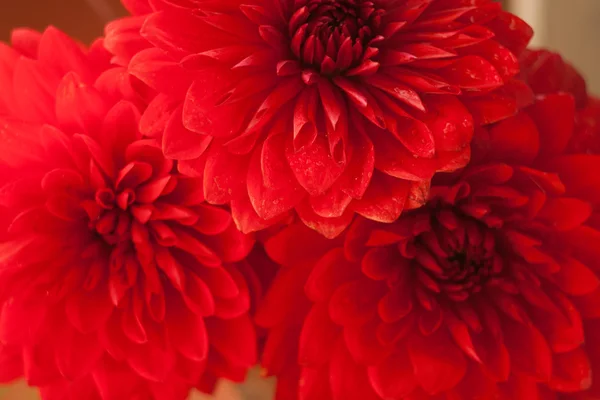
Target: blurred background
570,27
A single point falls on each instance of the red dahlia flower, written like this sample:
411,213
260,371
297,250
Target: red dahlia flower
325,107
489,291
117,280
547,72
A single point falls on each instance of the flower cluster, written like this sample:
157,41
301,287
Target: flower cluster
372,199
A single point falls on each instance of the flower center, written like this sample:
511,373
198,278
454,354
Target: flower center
113,214
333,36
460,253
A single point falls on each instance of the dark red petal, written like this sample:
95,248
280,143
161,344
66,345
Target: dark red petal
451,123
565,213
572,371
472,72
575,278
577,173
515,139
235,339
554,117
355,302
529,351
512,32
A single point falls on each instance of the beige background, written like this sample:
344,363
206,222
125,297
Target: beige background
570,26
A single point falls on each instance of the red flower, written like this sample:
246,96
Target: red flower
547,72
117,280
325,107
490,291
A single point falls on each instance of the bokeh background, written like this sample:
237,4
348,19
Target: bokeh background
569,26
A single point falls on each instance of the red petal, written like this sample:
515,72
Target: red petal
578,173
180,143
235,339
313,166
359,168
284,298
450,123
348,379
575,278
223,174
296,243
157,114
331,271
511,31
88,311
515,139
77,354
328,227
394,377
159,71
355,302
19,321
11,363
437,362
187,332
472,72
529,351
272,187
204,111
572,372
554,116
79,107
363,344
318,336
384,200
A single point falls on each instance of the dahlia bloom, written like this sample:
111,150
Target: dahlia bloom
330,108
489,291
117,280
546,72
